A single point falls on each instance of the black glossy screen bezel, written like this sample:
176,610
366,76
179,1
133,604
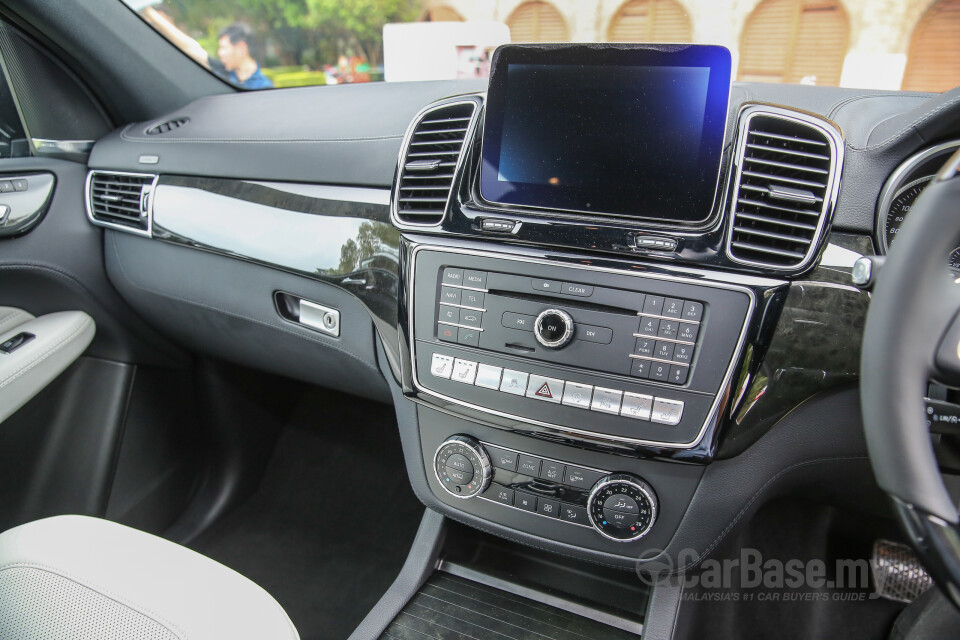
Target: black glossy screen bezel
526,195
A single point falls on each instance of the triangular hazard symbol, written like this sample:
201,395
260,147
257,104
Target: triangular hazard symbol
544,391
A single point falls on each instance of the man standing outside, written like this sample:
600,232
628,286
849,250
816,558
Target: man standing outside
237,51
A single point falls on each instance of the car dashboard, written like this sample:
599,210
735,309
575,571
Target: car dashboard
592,384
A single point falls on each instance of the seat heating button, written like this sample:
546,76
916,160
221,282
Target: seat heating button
636,405
667,411
464,371
441,366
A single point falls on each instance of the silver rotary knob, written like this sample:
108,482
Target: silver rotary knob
553,328
463,467
622,507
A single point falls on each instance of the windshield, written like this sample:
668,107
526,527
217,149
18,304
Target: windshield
257,44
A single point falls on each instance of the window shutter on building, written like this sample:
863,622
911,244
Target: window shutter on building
933,61
789,40
537,22
663,21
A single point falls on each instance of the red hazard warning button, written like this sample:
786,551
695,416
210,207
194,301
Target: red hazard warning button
542,388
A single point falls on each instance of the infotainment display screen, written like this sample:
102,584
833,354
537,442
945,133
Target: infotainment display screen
607,129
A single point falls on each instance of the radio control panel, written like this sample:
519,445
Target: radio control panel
638,357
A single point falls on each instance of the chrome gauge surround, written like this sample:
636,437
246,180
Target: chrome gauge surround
903,178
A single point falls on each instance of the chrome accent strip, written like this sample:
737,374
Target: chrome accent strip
659,339
462,326
46,145
836,144
712,415
88,201
363,195
650,315
476,100
639,357
895,182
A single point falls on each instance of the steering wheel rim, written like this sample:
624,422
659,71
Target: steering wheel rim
915,304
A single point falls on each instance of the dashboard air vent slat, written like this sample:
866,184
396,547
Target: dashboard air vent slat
167,126
784,191
120,200
429,163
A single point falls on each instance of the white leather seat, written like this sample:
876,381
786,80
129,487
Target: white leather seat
84,578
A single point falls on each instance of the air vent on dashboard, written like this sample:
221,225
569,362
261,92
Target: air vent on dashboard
430,161
120,200
784,192
168,125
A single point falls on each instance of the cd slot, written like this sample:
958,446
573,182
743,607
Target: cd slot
567,303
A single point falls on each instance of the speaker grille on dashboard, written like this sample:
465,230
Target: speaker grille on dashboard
784,191
430,161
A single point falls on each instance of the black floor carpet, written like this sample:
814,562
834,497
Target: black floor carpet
333,520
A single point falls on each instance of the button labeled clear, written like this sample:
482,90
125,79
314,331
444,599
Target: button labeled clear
441,366
464,371
667,411
514,382
488,376
548,389
606,400
577,395
636,405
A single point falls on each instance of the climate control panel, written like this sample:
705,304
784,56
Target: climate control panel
620,506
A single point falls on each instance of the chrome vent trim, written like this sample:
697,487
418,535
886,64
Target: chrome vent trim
787,176
120,200
430,160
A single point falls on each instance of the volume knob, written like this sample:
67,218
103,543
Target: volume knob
463,467
553,328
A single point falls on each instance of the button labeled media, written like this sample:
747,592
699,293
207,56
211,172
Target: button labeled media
476,279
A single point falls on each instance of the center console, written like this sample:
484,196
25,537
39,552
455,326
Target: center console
577,315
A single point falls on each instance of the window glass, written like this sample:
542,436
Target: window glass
258,44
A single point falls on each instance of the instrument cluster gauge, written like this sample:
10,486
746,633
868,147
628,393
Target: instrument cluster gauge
902,189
